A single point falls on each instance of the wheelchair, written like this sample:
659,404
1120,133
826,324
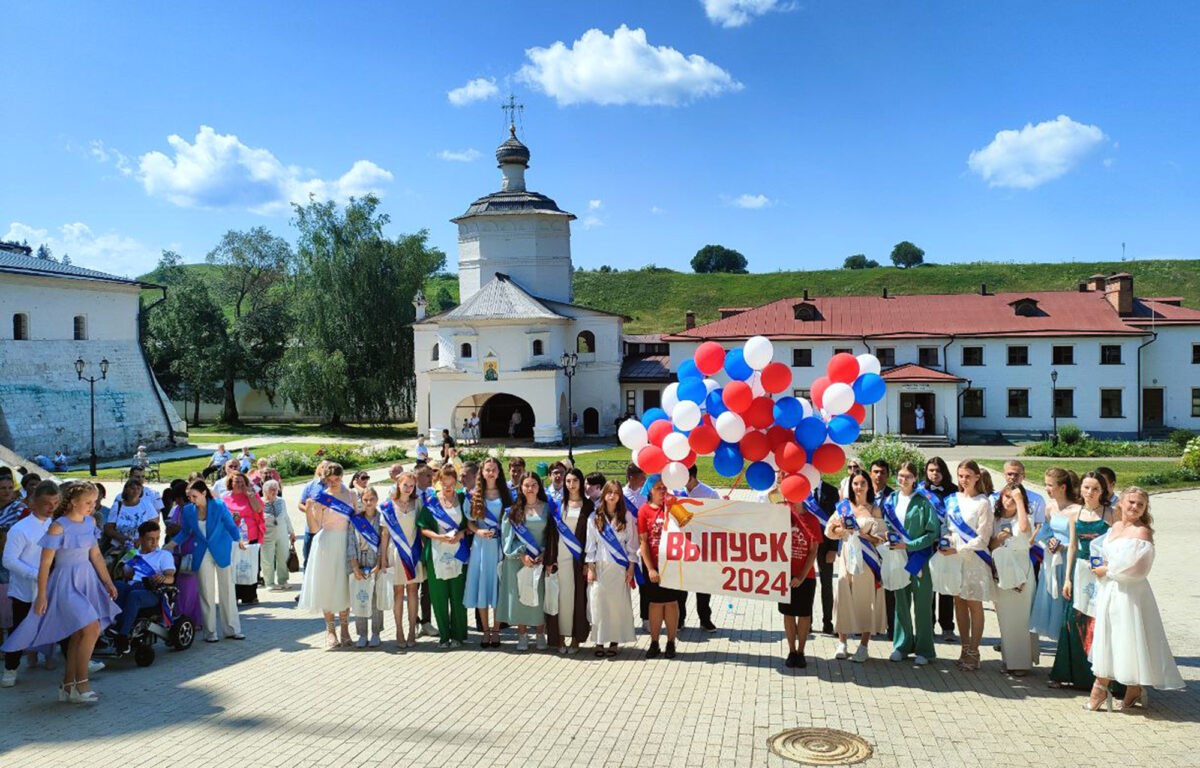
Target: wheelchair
154,623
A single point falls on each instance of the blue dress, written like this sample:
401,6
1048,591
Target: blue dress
483,569
75,596
1046,616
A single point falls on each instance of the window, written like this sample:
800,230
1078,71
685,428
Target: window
80,328
887,357
802,358
1018,355
465,351
1110,354
840,350
435,353
1018,403
538,348
972,356
802,393
1064,403
972,404
21,327
1110,404
631,401
1196,402
585,343
1196,354
1063,355
651,398
927,356
806,312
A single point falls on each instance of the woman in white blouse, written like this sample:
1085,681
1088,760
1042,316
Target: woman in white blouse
969,517
610,553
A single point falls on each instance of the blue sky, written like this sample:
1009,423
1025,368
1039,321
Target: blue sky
796,132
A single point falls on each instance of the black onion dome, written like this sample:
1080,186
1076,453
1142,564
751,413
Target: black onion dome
512,150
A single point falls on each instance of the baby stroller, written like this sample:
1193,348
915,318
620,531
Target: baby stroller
158,622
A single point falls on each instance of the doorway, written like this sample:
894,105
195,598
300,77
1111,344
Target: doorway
497,414
909,401
591,421
1152,407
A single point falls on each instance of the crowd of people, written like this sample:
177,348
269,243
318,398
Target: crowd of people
555,555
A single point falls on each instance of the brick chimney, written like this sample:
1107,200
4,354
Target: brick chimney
1096,282
689,320
1118,289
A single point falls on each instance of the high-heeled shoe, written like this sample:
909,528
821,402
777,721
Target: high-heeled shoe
1140,700
1106,700
64,691
82,697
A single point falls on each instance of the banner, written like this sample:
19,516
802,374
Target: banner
728,548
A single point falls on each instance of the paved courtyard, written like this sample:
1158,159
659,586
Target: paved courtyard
275,699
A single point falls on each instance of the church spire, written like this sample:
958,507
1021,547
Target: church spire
512,156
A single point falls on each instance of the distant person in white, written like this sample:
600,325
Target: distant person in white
513,423
920,416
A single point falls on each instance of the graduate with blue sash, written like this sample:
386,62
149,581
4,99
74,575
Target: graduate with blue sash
914,527
523,540
486,509
403,552
443,522
611,549
564,558
859,604
970,518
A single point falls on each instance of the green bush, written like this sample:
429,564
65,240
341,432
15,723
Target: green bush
477,453
347,455
891,450
293,463
1181,437
1191,456
1071,435
384,454
1091,448
1152,480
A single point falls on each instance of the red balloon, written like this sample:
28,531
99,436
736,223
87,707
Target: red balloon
791,457
778,436
761,413
776,377
704,439
709,357
737,396
843,367
817,392
651,459
829,458
754,446
858,412
795,488
690,459
659,430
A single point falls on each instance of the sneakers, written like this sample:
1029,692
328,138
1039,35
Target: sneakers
860,655
94,666
122,645
841,653
374,640
790,661
949,637
428,630
362,641
653,652
897,656
921,661
541,641
523,643
670,652
9,679
801,661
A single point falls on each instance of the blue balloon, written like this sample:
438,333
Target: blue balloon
727,459
869,389
843,429
714,404
760,476
688,370
736,366
653,415
692,389
811,433
788,412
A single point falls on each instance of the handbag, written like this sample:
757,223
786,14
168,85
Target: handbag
293,560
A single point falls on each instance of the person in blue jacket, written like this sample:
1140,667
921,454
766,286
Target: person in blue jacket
209,523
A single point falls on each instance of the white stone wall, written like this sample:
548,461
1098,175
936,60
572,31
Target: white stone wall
533,249
1167,363
51,304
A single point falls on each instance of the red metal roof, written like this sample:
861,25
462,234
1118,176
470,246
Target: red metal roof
914,372
1060,313
1164,310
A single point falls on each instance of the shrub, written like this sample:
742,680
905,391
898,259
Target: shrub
1181,437
478,453
1090,448
891,450
1071,435
384,453
1191,455
290,463
344,453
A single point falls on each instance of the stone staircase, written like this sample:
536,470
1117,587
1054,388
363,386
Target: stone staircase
927,441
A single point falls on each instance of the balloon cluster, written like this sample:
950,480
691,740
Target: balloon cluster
748,425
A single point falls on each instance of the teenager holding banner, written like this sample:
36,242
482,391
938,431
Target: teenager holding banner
1014,590
612,550
969,516
913,530
566,558
443,523
663,601
326,585
490,498
402,554
858,602
523,538
807,535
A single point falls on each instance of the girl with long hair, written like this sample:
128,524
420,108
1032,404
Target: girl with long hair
970,517
401,549
566,559
612,550
858,603
663,601
524,536
1062,507
326,586
489,500
209,525
1013,594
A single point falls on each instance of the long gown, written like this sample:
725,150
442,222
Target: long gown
1071,666
610,607
1129,643
1013,596
510,609
483,570
858,604
1046,616
326,586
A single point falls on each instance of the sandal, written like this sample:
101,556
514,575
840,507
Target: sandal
599,653
331,641
1090,707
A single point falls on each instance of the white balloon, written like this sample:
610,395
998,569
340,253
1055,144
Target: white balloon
755,382
730,427
770,459
813,476
632,434
675,445
868,363
670,397
758,352
686,416
805,407
839,398
675,474
710,385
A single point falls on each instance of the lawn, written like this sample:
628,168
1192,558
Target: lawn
1128,472
226,433
184,467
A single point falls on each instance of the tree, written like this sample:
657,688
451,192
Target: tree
354,356
254,281
66,260
445,301
905,254
44,252
718,258
859,261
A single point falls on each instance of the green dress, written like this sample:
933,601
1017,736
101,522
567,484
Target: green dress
1071,665
511,610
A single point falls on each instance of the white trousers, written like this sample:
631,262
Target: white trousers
216,584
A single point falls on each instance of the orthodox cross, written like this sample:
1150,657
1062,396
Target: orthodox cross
512,109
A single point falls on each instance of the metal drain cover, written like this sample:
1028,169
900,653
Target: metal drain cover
819,746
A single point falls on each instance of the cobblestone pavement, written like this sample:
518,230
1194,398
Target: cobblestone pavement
276,700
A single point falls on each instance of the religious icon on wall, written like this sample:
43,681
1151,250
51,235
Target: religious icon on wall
491,368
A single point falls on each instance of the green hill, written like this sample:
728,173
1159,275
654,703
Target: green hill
657,300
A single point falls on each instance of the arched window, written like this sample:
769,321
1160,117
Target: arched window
80,328
538,348
465,351
435,353
585,342
20,327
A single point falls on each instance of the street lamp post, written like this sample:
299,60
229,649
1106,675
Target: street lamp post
91,380
568,363
1053,404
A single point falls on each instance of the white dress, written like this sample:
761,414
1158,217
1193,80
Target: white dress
566,576
1129,644
610,608
1013,597
976,575
408,524
326,587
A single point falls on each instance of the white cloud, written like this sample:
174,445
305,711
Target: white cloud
459,156
109,252
595,205
593,218
219,171
737,13
654,209
105,154
1035,154
751,201
475,90
622,69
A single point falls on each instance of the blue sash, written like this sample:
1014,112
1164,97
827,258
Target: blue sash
629,507
446,521
917,558
614,545
523,533
955,518
409,554
870,554
813,507
568,536
141,567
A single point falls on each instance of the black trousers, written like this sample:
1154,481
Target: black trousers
943,611
426,606
825,574
703,608
209,471
20,609
889,602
